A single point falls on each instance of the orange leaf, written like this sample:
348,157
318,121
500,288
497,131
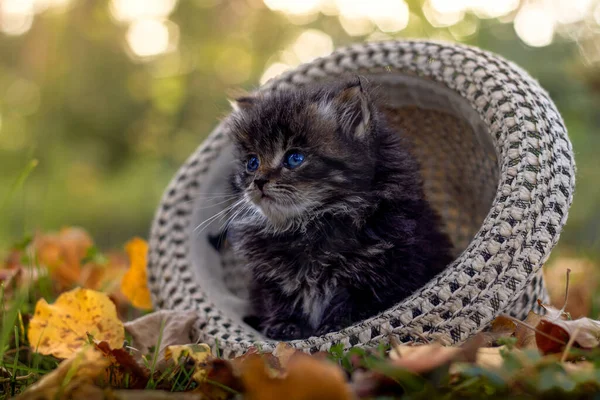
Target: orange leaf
306,378
62,254
134,284
62,329
221,372
556,325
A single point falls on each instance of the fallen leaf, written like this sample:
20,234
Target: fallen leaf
124,371
105,277
222,381
74,378
420,359
62,329
134,283
503,326
586,331
270,360
62,253
199,353
283,353
525,334
306,378
64,257
153,395
161,328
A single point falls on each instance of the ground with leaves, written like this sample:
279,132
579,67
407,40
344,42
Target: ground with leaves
77,323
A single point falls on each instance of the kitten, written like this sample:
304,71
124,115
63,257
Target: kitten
334,225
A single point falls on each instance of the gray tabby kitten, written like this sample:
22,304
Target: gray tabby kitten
334,227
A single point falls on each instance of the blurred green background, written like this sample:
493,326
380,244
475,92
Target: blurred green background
112,96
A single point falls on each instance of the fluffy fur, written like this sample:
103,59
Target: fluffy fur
345,235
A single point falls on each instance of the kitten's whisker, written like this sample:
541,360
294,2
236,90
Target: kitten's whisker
209,220
214,205
198,198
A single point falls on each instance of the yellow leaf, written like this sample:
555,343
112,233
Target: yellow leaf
61,329
73,378
200,353
134,284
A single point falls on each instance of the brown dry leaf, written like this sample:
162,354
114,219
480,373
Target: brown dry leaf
583,283
306,378
199,353
124,371
222,381
73,378
166,327
503,326
420,359
134,284
524,334
556,325
62,329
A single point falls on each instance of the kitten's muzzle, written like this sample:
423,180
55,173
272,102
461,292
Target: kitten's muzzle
260,183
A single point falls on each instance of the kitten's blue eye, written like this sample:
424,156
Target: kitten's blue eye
293,160
253,164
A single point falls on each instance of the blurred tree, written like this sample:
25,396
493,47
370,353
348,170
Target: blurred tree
112,96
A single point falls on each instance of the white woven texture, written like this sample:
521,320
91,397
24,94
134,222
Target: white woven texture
499,271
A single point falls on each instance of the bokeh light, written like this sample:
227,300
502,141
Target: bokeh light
16,16
129,87
43,5
493,8
131,10
535,25
272,71
148,37
311,44
297,7
389,15
571,11
442,13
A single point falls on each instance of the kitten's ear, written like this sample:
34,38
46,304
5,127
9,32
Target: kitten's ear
352,103
243,103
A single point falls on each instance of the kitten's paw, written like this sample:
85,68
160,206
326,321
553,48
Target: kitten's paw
253,321
284,331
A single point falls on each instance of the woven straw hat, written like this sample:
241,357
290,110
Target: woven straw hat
497,164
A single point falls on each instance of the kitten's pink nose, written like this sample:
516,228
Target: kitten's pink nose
260,183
